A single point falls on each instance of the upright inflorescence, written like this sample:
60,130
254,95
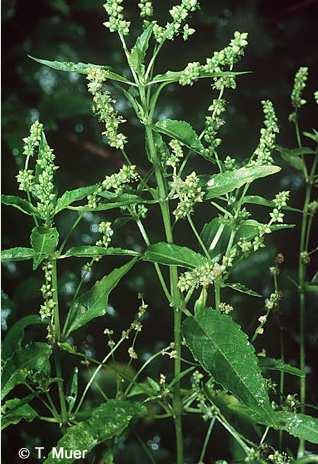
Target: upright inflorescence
47,290
178,25
188,192
41,182
263,153
43,188
114,183
32,142
104,228
299,85
104,107
116,21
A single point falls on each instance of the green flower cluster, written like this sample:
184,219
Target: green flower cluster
213,122
177,26
106,232
176,155
104,107
31,143
116,21
202,276
188,192
299,85
47,291
116,183
207,409
220,61
268,133
277,216
43,188
316,96
146,9
41,183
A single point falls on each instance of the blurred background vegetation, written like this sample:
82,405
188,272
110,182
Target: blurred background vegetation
282,37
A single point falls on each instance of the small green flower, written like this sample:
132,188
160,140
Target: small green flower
107,232
146,9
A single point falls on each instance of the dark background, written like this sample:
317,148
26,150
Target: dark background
282,37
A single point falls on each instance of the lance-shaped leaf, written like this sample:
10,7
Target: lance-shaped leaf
93,251
182,131
16,410
71,196
14,337
34,357
80,68
44,242
138,52
223,350
299,425
292,158
173,255
107,421
226,182
19,203
93,303
17,254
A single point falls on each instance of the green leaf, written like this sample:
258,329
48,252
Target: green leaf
93,303
182,131
226,182
278,365
138,52
70,196
294,152
215,235
299,425
312,135
114,201
243,289
14,337
223,349
19,203
32,358
291,158
16,410
80,68
44,242
173,255
93,251
17,254
105,422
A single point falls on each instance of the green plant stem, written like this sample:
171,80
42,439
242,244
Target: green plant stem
217,293
57,336
177,307
156,265
198,237
206,441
